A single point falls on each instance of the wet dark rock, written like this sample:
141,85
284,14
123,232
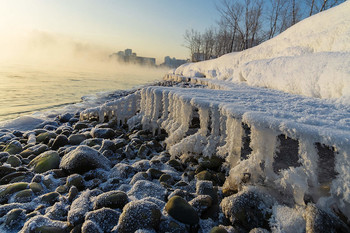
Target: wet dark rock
63,118
36,187
166,178
45,162
155,173
143,151
83,159
204,175
24,196
108,145
105,218
179,209
61,140
112,199
213,163
72,193
175,164
91,142
139,215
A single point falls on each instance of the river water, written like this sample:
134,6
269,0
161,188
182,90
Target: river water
28,89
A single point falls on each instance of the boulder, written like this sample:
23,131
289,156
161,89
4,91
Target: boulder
318,220
112,199
14,161
138,215
83,159
90,227
60,140
250,208
45,137
11,189
44,224
182,211
45,162
76,139
105,133
76,180
13,148
79,208
145,188
105,218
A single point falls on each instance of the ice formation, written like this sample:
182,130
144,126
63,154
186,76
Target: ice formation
215,121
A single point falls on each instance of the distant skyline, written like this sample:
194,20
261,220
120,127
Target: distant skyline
152,28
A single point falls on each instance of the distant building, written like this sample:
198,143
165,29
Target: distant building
173,62
127,56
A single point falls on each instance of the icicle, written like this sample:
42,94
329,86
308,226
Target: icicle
309,159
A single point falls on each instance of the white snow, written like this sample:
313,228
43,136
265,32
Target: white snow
311,58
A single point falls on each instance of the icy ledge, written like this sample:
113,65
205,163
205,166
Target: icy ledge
299,146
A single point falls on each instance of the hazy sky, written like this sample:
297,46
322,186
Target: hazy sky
150,27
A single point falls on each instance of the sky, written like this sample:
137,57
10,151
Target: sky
152,28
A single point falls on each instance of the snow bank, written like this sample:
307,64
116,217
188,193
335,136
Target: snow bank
311,58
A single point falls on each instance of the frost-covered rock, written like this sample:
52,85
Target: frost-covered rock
83,159
122,170
76,139
79,208
318,220
90,227
204,187
15,218
179,209
104,218
201,203
250,208
58,211
139,176
112,199
145,188
105,133
139,215
14,147
44,224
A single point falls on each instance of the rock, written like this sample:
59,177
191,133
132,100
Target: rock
182,193
43,224
166,178
80,125
76,139
139,176
60,140
112,199
141,165
119,143
58,211
250,208
4,170
45,162
201,203
105,218
155,173
15,218
143,151
107,145
45,137
76,180
63,118
105,133
122,170
11,189
79,208
204,187
72,193
50,198
213,163
175,164
83,159
138,215
145,188
259,230
318,220
179,209
36,187
170,226
10,177
218,230
24,196
90,227
14,161
13,147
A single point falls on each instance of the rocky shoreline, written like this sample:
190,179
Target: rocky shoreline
83,176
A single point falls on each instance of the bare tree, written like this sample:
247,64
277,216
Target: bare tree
276,17
321,5
193,42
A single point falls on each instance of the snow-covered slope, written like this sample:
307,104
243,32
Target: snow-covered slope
311,58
